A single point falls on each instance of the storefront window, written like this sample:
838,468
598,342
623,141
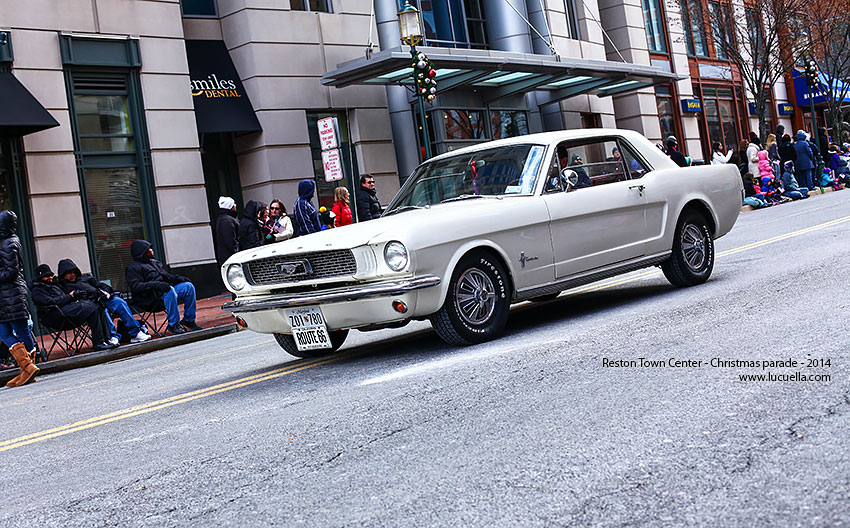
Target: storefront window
464,124
666,111
508,123
653,21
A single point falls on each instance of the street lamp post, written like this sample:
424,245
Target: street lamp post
812,79
410,28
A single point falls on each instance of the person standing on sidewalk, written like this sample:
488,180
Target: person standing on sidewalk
71,278
368,206
806,163
250,232
226,229
305,214
341,209
14,311
149,282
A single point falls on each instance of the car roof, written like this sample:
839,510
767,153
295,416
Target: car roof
542,138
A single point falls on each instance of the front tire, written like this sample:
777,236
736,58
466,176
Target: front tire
477,303
287,342
692,259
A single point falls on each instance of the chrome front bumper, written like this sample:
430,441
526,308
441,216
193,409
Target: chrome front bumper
353,293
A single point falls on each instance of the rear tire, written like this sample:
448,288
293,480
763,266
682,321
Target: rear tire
692,259
287,342
477,303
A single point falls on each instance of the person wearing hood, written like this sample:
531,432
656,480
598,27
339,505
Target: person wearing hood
150,282
673,152
14,311
368,206
226,229
55,305
805,163
71,278
789,183
305,214
250,233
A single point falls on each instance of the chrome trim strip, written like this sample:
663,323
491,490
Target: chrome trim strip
278,302
592,276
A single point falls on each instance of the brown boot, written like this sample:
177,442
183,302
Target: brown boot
28,369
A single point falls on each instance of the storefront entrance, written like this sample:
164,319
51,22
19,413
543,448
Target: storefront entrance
13,197
221,172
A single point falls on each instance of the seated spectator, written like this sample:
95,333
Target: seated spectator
149,282
55,304
70,279
752,193
789,183
583,179
828,179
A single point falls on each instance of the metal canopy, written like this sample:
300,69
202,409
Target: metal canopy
500,74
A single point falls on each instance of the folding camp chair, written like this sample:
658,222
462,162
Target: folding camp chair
152,316
67,335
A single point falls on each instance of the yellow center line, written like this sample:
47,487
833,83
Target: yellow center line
304,365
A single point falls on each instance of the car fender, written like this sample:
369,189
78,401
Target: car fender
431,300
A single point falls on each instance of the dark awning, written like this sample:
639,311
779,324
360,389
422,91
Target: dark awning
500,74
221,103
20,112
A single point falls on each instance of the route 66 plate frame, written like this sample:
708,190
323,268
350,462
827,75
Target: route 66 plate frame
308,328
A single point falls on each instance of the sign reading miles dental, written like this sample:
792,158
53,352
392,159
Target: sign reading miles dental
221,104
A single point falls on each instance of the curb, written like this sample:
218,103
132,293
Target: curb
817,191
122,352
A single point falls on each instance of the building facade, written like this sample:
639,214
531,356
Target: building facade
160,106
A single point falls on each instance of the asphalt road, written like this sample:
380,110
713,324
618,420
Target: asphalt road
398,429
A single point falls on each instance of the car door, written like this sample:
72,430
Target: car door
599,220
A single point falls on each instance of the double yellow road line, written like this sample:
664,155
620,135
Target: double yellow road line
303,365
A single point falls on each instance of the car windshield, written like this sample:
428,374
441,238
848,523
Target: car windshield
500,171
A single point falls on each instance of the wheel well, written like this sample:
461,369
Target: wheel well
702,209
496,255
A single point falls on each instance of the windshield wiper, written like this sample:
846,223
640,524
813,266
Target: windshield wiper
467,197
406,208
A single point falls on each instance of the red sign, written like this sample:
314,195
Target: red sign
332,162
327,133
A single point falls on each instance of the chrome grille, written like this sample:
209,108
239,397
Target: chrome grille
302,267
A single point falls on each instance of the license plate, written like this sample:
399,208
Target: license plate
308,328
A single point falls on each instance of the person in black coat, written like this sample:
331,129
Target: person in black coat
368,206
673,152
55,305
250,235
14,311
226,230
149,282
787,152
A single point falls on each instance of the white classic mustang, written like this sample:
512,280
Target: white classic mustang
477,229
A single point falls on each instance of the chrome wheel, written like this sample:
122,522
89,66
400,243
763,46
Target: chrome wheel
694,247
476,296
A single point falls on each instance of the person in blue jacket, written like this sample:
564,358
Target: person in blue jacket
305,215
805,161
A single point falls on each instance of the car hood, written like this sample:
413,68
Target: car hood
416,228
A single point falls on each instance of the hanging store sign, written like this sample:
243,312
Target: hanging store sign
328,135
332,162
691,105
785,109
221,104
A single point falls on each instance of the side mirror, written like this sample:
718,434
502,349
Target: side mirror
569,178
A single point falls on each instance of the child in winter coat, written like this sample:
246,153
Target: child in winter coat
752,193
789,183
827,179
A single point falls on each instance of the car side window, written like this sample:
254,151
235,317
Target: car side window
596,163
635,166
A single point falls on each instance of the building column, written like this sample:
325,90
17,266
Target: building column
401,117
507,31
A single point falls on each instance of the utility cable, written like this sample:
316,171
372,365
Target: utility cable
551,47
604,33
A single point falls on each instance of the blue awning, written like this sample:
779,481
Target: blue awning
829,88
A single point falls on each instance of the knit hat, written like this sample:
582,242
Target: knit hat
43,270
226,202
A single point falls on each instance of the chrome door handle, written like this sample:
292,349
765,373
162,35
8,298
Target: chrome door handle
639,188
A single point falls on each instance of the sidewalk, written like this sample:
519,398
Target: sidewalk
817,191
209,316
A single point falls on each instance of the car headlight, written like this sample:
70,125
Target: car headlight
236,277
395,255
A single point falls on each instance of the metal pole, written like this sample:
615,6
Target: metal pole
425,140
814,119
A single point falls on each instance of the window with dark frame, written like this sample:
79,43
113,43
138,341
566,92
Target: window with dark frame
572,19
203,8
319,6
454,24
694,28
653,21
721,29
